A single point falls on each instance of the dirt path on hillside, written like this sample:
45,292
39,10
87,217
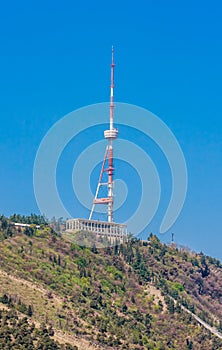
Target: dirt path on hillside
60,336
213,330
151,290
32,285
157,295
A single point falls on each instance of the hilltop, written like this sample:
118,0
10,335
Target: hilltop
136,295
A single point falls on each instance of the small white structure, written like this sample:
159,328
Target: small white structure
101,228
18,224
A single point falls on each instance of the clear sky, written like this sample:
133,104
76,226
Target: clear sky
54,58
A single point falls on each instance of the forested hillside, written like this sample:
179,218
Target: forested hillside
131,296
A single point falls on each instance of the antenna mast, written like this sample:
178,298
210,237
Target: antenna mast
111,134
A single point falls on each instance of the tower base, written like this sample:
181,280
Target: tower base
102,228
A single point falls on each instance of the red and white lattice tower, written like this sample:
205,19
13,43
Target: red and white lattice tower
107,166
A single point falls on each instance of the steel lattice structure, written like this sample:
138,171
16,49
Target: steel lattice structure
107,166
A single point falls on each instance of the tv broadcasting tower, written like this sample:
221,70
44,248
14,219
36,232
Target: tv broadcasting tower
107,166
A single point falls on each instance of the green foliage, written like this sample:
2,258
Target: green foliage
100,294
118,275
81,262
177,286
16,333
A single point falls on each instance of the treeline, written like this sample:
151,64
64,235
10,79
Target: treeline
8,229
29,219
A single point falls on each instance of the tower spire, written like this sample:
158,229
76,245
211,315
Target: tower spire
112,91
111,134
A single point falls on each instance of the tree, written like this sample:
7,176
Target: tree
29,311
4,299
170,304
94,249
124,308
220,326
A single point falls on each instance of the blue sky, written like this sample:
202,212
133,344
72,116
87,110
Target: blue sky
54,58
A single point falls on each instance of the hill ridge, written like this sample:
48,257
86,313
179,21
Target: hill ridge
102,297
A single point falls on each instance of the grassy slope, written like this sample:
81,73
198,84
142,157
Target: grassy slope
107,298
